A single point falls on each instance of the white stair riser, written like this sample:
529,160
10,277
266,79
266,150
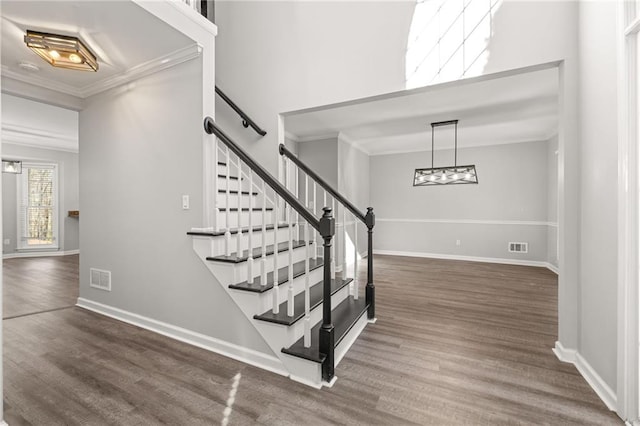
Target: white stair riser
280,336
302,370
233,184
233,200
256,219
218,244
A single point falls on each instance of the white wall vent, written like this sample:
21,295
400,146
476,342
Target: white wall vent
100,279
518,247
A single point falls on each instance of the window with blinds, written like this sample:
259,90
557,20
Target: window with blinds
37,207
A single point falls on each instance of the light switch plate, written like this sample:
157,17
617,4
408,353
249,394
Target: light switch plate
185,202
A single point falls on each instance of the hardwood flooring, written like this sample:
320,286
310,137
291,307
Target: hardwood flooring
36,284
455,343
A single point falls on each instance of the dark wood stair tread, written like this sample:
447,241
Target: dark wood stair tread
235,192
315,299
245,209
257,252
235,231
283,276
230,177
344,317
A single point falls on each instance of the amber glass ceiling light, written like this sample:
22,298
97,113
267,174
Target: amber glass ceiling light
61,51
450,175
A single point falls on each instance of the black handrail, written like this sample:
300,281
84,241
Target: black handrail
211,128
335,194
246,120
368,219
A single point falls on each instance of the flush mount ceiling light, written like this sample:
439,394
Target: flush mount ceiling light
450,175
61,51
10,166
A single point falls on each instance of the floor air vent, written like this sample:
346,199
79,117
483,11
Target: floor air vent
100,279
518,247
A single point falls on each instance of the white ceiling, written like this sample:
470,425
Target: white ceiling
496,109
127,40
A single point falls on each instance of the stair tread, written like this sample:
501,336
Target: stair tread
256,253
344,316
233,191
245,209
230,177
315,299
235,230
283,276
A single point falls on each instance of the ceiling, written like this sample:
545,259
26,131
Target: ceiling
519,106
127,40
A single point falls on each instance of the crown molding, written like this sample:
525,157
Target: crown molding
141,70
37,138
144,69
354,144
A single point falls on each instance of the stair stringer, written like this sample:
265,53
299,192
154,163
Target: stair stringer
277,336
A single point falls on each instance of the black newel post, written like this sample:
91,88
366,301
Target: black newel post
327,339
370,297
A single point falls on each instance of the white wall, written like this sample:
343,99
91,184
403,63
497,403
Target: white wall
509,204
140,151
68,195
279,56
552,201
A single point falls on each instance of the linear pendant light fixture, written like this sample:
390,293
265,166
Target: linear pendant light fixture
62,51
451,175
11,166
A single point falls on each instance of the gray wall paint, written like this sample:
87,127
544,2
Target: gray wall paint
322,157
353,182
598,195
68,195
140,151
552,201
512,187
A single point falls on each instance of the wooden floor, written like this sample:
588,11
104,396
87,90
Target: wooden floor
37,284
455,343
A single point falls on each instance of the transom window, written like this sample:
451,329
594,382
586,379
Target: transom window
37,206
448,40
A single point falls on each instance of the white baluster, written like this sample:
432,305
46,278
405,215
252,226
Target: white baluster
355,258
227,213
239,233
263,260
344,242
315,234
307,286
290,293
276,288
216,167
250,240
333,246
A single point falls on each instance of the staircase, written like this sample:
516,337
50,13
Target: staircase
273,250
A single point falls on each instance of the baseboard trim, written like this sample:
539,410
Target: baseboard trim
230,350
553,268
39,254
520,262
606,394
600,387
563,354
3,423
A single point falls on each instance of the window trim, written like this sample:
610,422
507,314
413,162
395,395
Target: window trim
21,244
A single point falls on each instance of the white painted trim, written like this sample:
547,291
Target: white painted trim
230,350
600,387
520,262
3,423
354,144
553,268
144,69
470,221
603,390
136,72
32,136
628,357
563,354
30,144
39,254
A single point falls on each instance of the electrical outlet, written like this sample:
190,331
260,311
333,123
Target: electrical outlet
457,242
